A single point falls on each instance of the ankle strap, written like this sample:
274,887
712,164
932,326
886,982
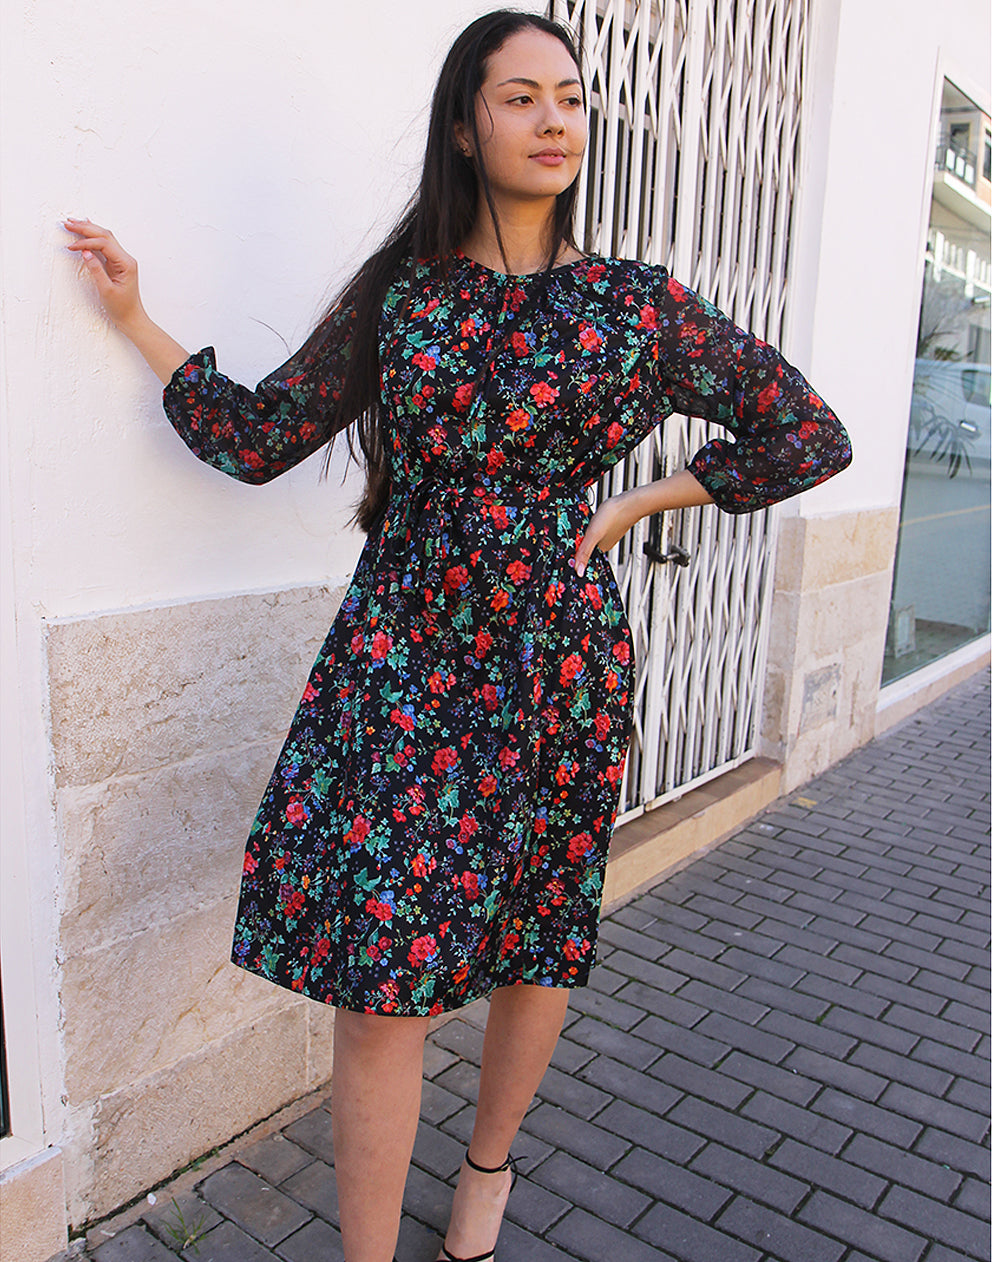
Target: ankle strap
488,1169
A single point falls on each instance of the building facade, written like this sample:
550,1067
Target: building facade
159,620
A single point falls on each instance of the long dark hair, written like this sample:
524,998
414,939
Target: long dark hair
435,223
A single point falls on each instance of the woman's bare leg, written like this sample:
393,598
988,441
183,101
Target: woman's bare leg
375,1104
521,1033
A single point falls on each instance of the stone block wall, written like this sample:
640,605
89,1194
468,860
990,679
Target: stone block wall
833,576
166,723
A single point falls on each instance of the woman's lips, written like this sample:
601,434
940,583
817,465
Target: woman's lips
548,159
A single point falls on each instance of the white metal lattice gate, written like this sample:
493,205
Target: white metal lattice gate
692,160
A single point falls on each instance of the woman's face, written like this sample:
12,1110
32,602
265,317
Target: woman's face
530,117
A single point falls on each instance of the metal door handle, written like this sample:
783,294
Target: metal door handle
677,555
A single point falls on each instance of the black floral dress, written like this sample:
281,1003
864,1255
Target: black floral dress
438,821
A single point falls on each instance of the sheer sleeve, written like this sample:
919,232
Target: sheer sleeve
785,438
254,435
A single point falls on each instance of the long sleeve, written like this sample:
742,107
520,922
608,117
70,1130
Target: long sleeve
254,435
785,438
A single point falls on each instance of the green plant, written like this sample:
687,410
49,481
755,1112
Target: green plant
184,1235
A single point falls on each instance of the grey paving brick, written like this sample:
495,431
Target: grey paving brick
315,1187
830,1173
867,1030
657,1134
582,1098
778,1235
628,1048
807,1033
665,976
134,1244
696,1080
754,1178
254,1205
968,1015
885,1241
898,992
969,1095
436,1058
693,1044
930,960
316,1242
937,1222
901,1069
601,1194
274,1158
871,962
633,916
690,1239
845,1075
801,1123
668,913
830,993
624,1016
634,941
717,973
523,1247
758,1042
175,1219
731,1003
862,1116
954,1152
924,1108
462,1038
226,1243
643,1090
725,912
671,1183
973,991
748,939
313,1133
460,1079
592,1240
693,941
774,971
973,1198
968,1065
936,1028
535,1207
437,1152
785,1083
809,962
427,1198
899,1166
732,1129
570,1056
599,1145
437,1103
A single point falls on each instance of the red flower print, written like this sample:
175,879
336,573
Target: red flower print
602,724
519,342
595,272
649,318
675,289
357,644
358,831
483,643
470,883
427,362
490,696
510,943
250,864
421,865
621,652
508,757
614,433
455,578
310,693
296,812
403,720
542,393
575,950
463,397
807,429
518,419
579,845
593,596
500,600
487,786
467,829
589,338
572,666
444,760
381,911
422,949
767,397
381,644
437,682
518,572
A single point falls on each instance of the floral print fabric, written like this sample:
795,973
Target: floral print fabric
438,820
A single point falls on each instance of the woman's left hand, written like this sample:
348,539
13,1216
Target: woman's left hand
607,526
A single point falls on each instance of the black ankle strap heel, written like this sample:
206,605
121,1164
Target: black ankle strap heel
508,1164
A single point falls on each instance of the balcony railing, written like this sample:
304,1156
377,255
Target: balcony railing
954,157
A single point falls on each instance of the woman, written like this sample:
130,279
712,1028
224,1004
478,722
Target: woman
437,825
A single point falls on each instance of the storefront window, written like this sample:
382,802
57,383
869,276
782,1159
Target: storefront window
941,587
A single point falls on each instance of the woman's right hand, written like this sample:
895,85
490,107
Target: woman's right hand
112,270
115,274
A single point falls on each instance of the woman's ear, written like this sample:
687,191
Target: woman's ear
462,141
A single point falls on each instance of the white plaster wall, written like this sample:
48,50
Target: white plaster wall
248,156
863,216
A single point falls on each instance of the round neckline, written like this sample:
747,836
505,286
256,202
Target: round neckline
561,267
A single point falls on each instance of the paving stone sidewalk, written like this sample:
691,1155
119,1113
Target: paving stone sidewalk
783,1054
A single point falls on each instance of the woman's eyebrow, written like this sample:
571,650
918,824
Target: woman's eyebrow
532,83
